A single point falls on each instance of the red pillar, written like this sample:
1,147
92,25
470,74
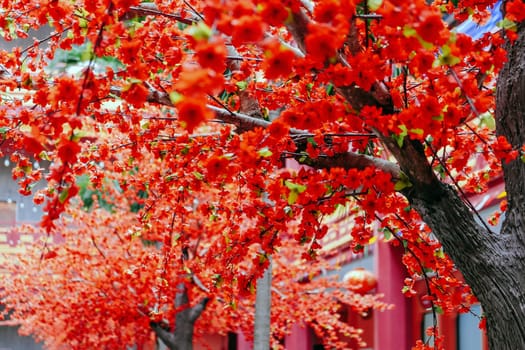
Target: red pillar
299,339
392,328
242,343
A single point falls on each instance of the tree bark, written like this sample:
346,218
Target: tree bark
182,336
263,297
492,263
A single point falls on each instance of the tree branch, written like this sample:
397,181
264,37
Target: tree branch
150,9
357,97
352,160
197,310
249,105
163,334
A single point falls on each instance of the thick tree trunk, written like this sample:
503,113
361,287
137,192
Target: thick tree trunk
182,336
493,264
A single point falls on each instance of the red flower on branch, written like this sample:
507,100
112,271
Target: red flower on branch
192,112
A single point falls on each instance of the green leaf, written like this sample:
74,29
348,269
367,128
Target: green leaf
416,131
262,258
217,280
374,4
401,137
175,97
311,141
200,31
265,152
409,31
506,23
242,85
488,120
402,183
63,195
292,197
425,44
439,254
446,58
294,187
198,175
295,190
330,89
387,234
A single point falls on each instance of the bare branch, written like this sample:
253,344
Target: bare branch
249,104
197,309
165,335
199,283
351,160
150,9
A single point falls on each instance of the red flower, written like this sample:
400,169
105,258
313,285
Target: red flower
68,151
211,55
274,13
422,62
247,29
278,129
125,4
321,42
216,166
325,11
32,145
515,10
430,107
136,94
464,43
192,112
197,81
278,63
431,27
129,50
66,89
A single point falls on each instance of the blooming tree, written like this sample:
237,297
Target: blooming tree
113,279
393,113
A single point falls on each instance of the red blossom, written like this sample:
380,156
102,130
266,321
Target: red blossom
136,94
322,42
68,151
247,29
274,12
278,63
326,10
211,55
216,166
431,28
515,10
192,112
